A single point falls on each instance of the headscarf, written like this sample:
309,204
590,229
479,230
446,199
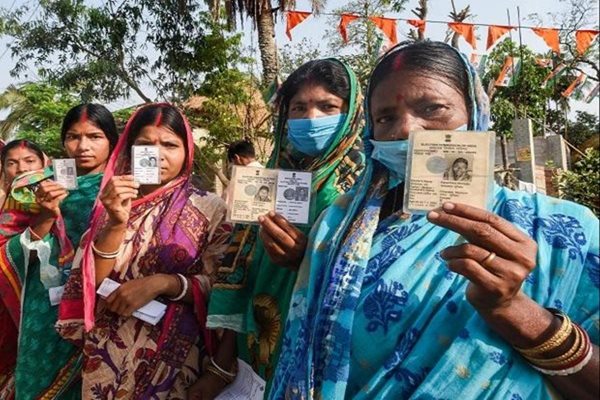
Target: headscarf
316,356
119,164
248,283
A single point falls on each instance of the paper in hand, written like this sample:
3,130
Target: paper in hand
145,164
65,172
150,313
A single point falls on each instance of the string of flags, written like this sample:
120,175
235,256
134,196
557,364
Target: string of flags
507,77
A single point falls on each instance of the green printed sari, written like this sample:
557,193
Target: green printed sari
46,365
252,294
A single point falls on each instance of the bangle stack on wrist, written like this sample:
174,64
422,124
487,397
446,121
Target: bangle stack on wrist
184,288
226,376
571,361
103,254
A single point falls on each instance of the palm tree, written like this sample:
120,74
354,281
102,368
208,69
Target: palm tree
262,13
12,99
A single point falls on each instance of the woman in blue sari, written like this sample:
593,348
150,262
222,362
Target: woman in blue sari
448,305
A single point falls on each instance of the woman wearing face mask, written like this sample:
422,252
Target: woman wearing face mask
452,305
158,242
39,230
318,131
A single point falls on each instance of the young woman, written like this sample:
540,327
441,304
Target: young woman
158,242
39,229
398,306
318,130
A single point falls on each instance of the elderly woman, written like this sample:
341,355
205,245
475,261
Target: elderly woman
320,118
462,304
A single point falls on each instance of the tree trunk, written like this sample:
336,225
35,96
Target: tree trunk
266,44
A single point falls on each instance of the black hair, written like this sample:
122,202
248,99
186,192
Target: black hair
461,160
20,143
330,74
431,59
264,187
164,115
243,148
97,115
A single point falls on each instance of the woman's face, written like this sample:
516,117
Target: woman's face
89,146
172,150
407,102
263,194
20,160
314,101
459,169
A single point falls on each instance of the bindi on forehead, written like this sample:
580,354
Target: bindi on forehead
399,98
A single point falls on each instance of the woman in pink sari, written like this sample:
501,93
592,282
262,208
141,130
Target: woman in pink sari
160,242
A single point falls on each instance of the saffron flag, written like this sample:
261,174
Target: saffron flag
387,26
465,30
509,72
495,32
556,72
550,36
293,19
575,85
344,21
417,23
584,39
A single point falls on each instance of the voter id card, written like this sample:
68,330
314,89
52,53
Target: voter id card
65,172
145,164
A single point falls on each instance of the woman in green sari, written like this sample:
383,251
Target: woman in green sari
40,225
320,119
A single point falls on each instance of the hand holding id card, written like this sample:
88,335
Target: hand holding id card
65,172
452,166
257,191
145,164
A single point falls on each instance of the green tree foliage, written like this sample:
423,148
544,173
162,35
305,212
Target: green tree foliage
526,98
292,56
583,128
158,49
582,183
36,113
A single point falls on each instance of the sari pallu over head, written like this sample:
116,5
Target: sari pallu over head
166,233
376,313
251,293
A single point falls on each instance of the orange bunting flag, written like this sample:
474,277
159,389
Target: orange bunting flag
584,39
495,32
550,36
346,19
575,85
387,26
293,19
417,23
465,30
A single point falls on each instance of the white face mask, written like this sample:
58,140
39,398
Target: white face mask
393,154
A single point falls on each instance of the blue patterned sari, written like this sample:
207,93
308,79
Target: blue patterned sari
377,314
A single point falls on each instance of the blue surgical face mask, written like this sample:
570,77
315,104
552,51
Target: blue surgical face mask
312,136
392,154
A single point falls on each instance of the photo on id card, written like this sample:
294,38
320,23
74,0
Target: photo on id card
65,172
455,166
145,164
256,191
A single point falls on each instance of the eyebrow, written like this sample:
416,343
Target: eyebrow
85,133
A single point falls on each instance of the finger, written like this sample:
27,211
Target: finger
277,234
272,248
476,232
478,214
48,185
285,225
52,194
495,264
474,272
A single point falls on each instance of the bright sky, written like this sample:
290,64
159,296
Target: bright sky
488,12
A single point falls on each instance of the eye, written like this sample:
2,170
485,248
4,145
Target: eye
433,108
383,119
97,137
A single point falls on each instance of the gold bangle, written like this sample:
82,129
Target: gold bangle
580,351
555,341
557,361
